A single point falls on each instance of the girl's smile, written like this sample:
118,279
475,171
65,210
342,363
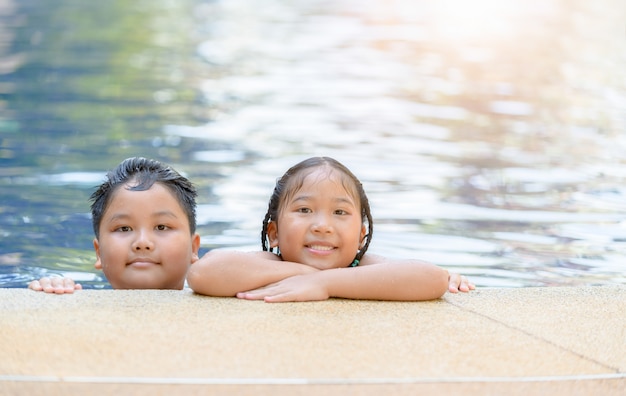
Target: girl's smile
322,248
320,224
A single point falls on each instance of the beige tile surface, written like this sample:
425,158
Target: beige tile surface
153,340
566,388
589,321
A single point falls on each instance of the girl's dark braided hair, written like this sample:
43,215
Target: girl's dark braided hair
293,179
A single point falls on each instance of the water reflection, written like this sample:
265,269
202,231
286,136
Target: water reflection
489,135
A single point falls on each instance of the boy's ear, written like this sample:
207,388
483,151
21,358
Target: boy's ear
195,248
96,247
272,234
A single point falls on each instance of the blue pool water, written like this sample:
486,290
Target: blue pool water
490,138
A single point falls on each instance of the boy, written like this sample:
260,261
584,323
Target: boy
145,229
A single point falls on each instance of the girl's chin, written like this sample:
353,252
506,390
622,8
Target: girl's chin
322,265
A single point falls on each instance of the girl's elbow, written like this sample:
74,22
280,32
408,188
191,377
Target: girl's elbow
195,280
439,285
199,281
200,275
443,281
205,282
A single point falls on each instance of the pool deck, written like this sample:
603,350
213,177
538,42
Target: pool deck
557,341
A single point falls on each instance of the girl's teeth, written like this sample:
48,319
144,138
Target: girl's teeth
316,247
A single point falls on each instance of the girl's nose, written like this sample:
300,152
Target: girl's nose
322,224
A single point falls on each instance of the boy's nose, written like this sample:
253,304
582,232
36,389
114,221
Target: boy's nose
143,241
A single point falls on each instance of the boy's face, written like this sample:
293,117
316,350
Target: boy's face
144,241
320,225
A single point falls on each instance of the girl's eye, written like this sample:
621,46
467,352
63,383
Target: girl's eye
304,210
340,212
123,229
161,227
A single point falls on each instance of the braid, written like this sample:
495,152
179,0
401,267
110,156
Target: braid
272,212
264,242
365,214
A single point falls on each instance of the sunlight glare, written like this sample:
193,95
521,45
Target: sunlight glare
476,19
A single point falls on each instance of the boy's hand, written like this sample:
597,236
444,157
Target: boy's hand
55,285
458,282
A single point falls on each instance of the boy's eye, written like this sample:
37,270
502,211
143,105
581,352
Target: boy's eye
123,229
162,227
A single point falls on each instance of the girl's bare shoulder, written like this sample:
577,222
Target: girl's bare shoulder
369,259
220,254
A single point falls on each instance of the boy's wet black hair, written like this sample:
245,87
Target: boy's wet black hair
292,181
141,174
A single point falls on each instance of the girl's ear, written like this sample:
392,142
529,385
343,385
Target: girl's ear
96,247
272,234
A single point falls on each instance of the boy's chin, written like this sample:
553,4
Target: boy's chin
147,284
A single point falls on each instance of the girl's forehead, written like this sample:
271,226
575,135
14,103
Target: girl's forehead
321,174
315,178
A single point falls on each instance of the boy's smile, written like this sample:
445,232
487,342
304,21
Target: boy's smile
145,240
142,263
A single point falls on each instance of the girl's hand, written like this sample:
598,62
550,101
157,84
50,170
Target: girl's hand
55,285
295,288
458,282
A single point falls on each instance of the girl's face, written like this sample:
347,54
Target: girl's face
144,240
320,224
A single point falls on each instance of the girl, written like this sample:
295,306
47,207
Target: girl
320,224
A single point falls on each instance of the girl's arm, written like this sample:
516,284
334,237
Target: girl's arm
224,273
401,280
376,278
